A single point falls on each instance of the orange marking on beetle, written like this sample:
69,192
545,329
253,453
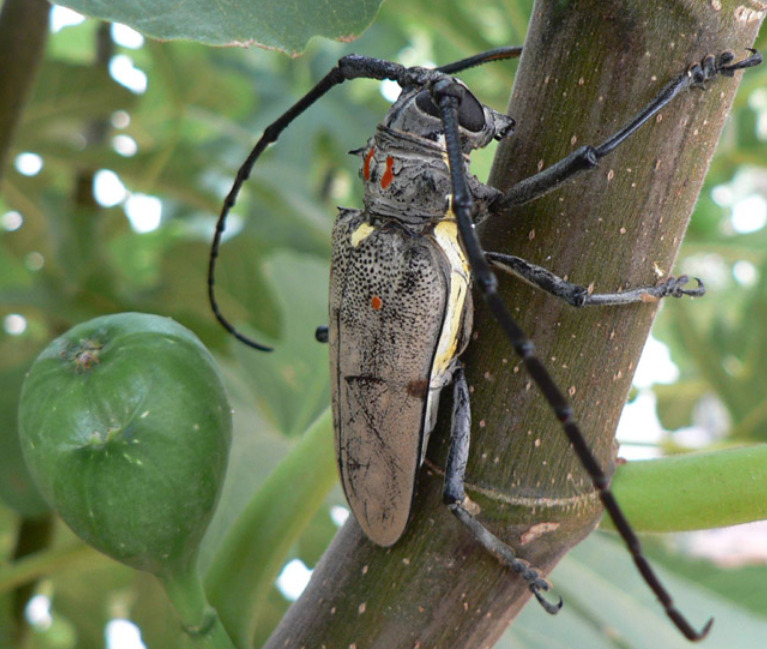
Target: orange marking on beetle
388,174
376,302
366,165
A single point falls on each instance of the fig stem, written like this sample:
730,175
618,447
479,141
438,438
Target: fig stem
199,620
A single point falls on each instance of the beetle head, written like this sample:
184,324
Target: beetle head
415,113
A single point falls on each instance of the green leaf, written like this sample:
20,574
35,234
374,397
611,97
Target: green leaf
126,427
291,384
270,24
709,490
743,585
66,96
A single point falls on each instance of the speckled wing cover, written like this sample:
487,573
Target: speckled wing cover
388,294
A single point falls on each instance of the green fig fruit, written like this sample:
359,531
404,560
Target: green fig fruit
126,427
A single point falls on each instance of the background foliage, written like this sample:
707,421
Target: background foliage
72,259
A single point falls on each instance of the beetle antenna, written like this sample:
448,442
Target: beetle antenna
498,54
270,135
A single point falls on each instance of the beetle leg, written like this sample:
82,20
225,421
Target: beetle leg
457,502
579,296
460,439
588,157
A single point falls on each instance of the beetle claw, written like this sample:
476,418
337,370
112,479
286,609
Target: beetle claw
549,607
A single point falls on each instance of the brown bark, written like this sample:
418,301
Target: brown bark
588,66
23,34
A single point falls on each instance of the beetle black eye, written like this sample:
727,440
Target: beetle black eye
471,115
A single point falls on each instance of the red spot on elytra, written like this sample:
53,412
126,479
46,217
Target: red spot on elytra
376,302
388,174
366,165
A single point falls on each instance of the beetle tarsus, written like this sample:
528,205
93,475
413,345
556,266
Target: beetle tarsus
503,552
674,287
723,64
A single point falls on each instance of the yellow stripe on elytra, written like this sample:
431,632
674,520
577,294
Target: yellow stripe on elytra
361,233
446,234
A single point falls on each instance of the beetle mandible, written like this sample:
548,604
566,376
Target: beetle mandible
400,292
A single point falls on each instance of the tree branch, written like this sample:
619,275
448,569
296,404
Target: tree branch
23,33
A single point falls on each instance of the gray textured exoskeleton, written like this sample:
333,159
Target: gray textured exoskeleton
400,305
400,293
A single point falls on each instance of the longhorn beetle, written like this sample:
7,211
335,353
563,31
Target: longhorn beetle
400,292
